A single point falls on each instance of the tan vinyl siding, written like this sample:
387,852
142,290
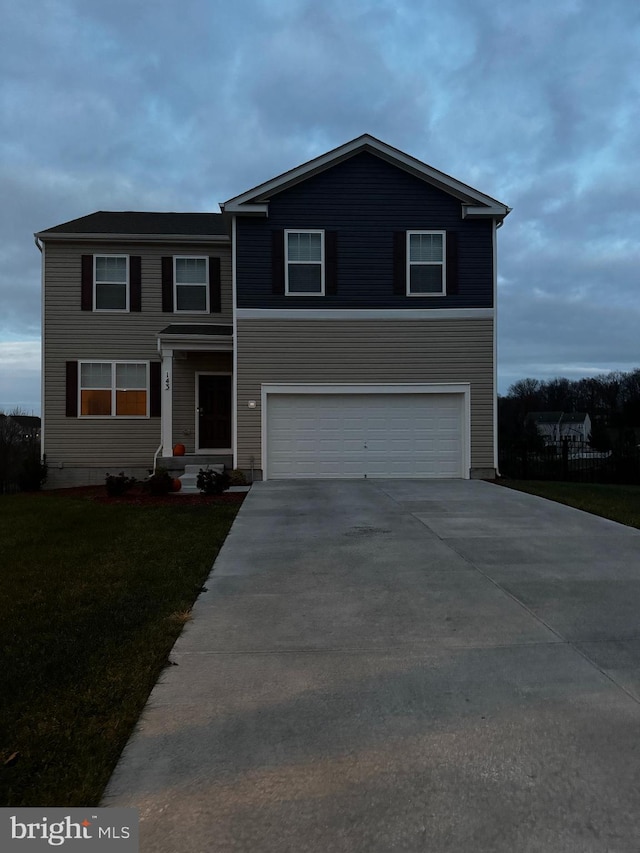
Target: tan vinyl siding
374,351
72,334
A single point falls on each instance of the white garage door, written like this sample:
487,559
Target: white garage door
364,435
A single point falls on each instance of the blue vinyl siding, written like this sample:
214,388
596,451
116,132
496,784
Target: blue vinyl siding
365,200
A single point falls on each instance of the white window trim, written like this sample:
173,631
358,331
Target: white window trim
204,258
288,231
442,264
114,388
127,284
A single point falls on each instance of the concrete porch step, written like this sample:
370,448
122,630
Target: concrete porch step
176,465
190,477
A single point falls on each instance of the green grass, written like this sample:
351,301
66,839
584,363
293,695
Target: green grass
619,503
92,598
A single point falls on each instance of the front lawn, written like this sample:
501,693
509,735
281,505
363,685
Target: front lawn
620,503
92,598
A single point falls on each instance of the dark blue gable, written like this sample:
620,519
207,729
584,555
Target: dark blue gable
364,200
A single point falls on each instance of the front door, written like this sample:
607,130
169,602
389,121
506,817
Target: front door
214,412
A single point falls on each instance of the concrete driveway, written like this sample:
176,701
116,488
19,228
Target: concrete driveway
400,665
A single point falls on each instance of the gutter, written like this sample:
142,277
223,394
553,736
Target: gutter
86,237
40,247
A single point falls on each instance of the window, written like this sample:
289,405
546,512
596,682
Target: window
191,283
114,389
304,267
111,282
426,273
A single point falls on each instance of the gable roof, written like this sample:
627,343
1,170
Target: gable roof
128,223
545,417
196,329
574,417
557,417
474,203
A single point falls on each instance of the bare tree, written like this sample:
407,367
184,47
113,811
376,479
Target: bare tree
20,464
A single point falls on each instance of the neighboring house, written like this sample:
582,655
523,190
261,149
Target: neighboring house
576,426
555,426
28,426
336,321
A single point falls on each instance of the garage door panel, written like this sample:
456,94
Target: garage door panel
358,435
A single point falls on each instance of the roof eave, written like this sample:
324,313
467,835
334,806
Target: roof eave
493,211
196,343
253,201
245,209
132,238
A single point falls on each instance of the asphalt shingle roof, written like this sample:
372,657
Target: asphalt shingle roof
137,222
197,329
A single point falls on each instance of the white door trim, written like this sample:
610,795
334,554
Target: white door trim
199,449
463,388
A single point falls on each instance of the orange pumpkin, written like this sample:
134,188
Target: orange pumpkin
176,485
179,450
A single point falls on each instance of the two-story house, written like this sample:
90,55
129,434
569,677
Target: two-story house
556,426
336,321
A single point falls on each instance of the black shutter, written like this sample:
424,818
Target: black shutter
452,262
155,379
86,290
215,295
135,283
71,408
331,263
167,285
400,263
277,262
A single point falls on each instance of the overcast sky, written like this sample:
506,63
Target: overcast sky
181,104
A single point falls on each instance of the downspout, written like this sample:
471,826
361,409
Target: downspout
496,225
496,460
157,453
41,248
234,355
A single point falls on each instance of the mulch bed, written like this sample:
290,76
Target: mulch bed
136,497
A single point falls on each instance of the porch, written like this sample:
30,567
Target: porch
196,395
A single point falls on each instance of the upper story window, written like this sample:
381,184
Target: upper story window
111,283
426,253
304,263
114,389
191,285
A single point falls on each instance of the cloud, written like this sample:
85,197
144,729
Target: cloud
151,104
20,376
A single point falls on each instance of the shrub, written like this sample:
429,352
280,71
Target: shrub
159,483
212,482
237,478
118,484
20,465
33,471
